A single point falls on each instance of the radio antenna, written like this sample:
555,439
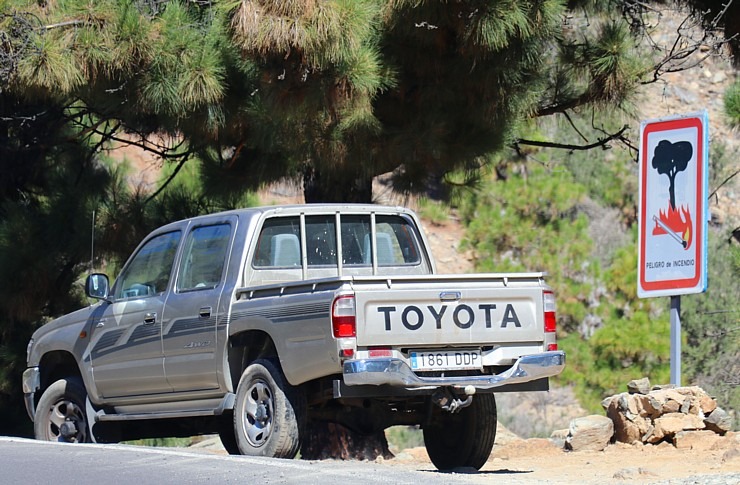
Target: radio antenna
92,242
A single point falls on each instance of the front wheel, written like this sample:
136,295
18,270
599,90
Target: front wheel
269,413
60,415
464,439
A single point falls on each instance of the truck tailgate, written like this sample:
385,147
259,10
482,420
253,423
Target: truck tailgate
449,311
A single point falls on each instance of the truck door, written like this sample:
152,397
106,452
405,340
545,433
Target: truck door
126,347
194,309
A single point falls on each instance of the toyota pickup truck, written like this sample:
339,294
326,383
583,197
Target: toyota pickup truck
254,322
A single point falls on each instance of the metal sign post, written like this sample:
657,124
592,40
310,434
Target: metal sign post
676,340
672,256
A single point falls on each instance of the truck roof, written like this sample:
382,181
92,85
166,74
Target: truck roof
305,209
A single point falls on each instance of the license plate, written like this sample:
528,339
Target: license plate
446,359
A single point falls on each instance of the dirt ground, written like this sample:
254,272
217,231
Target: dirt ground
540,460
705,460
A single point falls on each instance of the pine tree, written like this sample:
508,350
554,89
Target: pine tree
332,92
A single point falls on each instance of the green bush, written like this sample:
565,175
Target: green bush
732,103
711,324
435,211
532,224
403,437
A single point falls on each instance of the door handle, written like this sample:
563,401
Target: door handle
205,312
150,318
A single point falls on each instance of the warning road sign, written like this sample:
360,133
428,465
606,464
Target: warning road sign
674,155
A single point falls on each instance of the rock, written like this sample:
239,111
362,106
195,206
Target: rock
670,407
644,425
625,431
632,473
702,440
707,404
591,433
648,434
624,403
662,413
607,402
670,400
559,436
639,386
672,423
719,77
647,406
719,421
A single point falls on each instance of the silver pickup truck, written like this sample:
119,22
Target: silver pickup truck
253,322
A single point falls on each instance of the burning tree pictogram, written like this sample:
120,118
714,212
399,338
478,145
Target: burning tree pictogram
671,158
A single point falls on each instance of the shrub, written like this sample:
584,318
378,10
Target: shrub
732,103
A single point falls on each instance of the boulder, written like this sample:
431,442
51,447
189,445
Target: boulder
701,440
647,406
625,431
719,421
591,433
606,402
639,386
707,404
559,436
658,416
672,423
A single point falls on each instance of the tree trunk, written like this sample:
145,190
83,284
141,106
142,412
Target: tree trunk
322,186
324,440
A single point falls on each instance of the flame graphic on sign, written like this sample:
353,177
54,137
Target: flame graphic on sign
678,221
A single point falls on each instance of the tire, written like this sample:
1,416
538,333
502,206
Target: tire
269,414
60,415
226,433
464,439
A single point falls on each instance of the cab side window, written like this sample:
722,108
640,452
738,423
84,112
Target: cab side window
321,241
150,269
204,257
279,244
397,243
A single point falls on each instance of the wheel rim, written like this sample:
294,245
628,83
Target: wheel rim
66,422
258,413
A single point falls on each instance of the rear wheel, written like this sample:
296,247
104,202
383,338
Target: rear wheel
269,413
464,439
60,415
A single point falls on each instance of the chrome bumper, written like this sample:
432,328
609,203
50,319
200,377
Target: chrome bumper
395,372
31,384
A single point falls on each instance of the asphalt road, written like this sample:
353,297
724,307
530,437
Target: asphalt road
25,461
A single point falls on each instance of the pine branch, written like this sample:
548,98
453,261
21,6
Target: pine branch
681,55
62,24
169,179
722,184
602,142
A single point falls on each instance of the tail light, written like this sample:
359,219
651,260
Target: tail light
343,317
548,300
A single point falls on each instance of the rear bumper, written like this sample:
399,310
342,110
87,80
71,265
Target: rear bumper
395,372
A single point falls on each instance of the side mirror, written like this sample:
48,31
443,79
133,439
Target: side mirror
97,286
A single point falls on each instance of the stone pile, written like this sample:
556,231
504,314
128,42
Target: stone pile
663,413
